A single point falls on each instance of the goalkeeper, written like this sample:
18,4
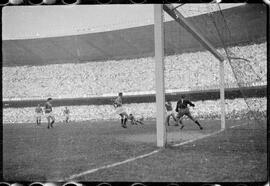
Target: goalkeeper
182,109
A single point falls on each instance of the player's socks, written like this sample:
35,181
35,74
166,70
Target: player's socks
125,121
199,125
181,125
52,123
122,123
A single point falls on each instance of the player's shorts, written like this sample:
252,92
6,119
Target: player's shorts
66,115
50,114
170,112
38,115
182,112
120,110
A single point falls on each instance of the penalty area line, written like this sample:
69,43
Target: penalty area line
195,139
111,165
136,158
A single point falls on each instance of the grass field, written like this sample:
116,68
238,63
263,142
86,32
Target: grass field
34,153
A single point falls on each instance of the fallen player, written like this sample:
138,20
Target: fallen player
135,121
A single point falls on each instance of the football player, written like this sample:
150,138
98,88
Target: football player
135,121
182,109
39,112
170,113
120,109
66,114
48,113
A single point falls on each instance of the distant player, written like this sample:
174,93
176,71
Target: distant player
182,109
135,121
120,110
170,113
39,112
66,114
48,113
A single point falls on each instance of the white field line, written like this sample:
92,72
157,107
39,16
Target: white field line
144,155
112,165
238,125
136,158
195,139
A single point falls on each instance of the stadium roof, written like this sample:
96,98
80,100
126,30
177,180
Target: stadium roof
131,42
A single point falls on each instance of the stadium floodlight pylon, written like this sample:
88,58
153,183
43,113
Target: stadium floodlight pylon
159,58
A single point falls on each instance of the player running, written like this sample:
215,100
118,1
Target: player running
182,109
48,113
39,112
170,113
66,114
120,110
135,121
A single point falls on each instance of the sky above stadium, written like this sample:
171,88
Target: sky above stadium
27,22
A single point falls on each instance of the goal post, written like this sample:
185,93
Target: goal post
180,19
159,75
159,65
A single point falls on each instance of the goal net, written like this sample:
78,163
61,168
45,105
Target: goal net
192,70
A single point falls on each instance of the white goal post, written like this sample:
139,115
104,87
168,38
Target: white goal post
159,75
159,65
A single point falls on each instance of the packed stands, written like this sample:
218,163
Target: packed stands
75,80
133,75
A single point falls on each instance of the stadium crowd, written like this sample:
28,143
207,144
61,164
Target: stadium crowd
183,72
129,75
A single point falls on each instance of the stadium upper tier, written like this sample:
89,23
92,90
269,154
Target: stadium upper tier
183,72
246,23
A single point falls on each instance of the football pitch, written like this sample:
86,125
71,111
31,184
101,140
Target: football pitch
104,151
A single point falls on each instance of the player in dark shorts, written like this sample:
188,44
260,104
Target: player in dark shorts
66,114
48,113
170,113
135,121
182,109
120,110
39,112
